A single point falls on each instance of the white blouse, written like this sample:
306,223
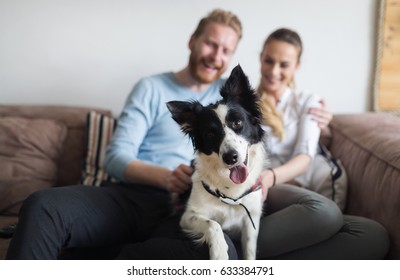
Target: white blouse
301,132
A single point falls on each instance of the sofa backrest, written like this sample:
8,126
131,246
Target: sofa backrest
74,118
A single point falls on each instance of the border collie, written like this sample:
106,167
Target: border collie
229,157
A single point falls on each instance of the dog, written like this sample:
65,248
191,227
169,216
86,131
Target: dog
229,156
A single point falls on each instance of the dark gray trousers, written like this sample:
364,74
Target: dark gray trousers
129,222
301,224
59,222
297,224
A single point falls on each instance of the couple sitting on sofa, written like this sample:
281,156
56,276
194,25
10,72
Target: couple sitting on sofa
150,155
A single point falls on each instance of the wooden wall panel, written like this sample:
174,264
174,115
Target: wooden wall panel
388,65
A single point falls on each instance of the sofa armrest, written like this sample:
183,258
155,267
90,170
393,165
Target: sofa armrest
369,147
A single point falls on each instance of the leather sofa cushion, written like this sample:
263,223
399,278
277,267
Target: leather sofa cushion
29,154
74,118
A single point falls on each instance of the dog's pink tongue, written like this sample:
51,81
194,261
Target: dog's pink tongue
239,174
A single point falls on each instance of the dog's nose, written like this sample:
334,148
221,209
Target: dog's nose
230,157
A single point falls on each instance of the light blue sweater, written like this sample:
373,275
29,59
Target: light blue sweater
146,130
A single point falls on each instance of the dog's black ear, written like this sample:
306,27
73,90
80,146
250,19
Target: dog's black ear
184,113
237,86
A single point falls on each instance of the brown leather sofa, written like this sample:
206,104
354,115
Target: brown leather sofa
367,144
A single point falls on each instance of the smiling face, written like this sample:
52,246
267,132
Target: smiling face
211,52
279,62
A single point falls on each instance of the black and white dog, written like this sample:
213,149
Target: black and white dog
230,156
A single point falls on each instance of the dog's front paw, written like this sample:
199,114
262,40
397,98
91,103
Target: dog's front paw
219,251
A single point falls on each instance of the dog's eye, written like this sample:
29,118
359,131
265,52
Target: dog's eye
237,124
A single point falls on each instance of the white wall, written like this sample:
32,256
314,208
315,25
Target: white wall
91,52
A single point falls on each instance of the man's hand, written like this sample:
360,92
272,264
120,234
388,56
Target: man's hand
322,115
179,180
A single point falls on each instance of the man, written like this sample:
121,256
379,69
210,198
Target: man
144,147
148,153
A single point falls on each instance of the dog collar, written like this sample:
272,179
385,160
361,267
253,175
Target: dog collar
235,201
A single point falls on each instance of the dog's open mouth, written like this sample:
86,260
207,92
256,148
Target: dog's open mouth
238,173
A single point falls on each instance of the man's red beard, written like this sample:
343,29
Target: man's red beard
199,75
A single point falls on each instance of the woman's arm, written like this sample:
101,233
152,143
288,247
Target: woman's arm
304,148
296,166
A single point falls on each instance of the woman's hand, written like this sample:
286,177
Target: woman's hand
267,178
179,179
322,115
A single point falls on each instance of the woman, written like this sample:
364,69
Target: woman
300,224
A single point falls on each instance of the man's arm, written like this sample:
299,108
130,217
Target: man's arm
122,161
322,115
177,180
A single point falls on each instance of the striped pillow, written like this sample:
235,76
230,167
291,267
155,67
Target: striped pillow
100,128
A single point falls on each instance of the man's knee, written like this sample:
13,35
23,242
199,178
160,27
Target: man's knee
47,201
36,201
